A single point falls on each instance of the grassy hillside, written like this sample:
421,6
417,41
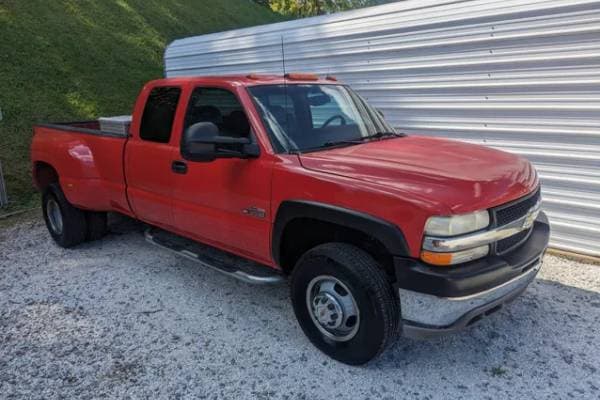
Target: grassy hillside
66,60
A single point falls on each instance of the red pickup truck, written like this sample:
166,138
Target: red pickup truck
273,177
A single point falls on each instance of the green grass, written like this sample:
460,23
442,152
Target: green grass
66,60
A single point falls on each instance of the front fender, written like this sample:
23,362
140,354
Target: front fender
385,232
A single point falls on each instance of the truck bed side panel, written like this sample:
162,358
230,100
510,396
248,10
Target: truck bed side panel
89,166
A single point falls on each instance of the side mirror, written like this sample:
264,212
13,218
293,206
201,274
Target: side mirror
202,142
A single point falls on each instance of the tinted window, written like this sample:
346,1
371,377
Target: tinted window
285,102
219,106
308,116
159,114
330,110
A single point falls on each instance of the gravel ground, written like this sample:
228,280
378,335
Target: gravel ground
119,318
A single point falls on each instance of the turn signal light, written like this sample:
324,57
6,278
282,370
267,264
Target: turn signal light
441,259
447,259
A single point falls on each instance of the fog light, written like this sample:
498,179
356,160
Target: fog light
447,259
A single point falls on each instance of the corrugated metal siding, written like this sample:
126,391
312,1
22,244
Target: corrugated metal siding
523,76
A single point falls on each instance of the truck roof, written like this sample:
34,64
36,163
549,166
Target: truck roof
252,79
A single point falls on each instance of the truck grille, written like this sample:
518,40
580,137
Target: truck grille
510,212
509,243
513,211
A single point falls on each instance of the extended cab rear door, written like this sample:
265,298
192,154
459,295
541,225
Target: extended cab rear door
150,153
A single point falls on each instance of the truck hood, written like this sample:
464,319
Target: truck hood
464,177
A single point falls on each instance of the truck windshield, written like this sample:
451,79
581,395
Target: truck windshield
307,117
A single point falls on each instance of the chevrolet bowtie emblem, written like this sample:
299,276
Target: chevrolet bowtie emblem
531,216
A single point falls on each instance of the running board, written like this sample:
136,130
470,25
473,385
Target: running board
226,263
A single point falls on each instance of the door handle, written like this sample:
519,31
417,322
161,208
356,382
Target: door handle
179,167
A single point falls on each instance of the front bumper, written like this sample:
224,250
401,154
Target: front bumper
439,300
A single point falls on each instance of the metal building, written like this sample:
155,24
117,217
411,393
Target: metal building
519,75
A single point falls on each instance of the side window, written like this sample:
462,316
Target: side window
159,113
220,107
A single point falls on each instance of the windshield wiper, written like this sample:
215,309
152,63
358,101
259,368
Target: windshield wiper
340,142
376,135
382,134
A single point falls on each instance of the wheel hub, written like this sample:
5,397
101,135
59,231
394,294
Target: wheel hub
332,308
328,310
54,216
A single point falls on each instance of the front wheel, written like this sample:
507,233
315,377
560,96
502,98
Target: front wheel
345,303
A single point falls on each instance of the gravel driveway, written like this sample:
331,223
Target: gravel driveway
119,318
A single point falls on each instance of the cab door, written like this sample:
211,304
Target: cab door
225,202
149,156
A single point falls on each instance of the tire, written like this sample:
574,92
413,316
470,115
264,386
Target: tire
343,269
97,225
66,223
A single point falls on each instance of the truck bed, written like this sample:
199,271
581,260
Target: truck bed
88,127
88,161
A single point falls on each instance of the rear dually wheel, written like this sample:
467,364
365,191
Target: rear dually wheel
66,223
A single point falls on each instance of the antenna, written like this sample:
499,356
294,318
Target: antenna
283,56
285,99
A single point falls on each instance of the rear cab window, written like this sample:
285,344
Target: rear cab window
159,114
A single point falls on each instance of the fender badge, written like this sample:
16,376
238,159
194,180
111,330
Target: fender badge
254,212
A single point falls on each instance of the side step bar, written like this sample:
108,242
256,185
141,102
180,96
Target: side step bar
208,256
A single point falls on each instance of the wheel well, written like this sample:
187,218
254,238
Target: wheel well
302,234
44,174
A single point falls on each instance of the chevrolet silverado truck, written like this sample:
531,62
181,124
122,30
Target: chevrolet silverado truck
298,178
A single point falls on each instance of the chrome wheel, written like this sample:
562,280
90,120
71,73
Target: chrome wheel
332,308
54,216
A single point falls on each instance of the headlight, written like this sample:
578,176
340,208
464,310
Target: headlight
457,224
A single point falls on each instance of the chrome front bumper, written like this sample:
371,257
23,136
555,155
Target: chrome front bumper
427,315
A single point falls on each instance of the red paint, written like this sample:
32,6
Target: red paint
401,180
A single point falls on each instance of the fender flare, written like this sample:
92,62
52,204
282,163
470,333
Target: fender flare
390,235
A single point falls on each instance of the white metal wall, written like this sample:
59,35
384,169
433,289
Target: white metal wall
523,76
